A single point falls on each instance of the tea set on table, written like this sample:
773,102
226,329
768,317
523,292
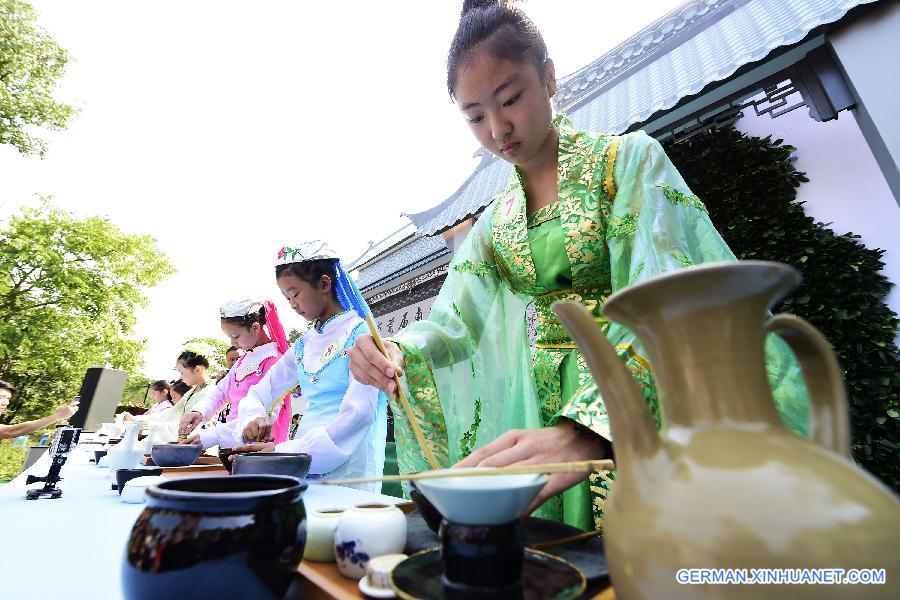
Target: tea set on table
722,485
479,549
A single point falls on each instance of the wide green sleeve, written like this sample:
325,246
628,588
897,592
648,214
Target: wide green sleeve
656,225
468,369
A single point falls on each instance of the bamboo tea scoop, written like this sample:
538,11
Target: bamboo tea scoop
581,466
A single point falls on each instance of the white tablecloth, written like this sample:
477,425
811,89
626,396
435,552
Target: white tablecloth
72,547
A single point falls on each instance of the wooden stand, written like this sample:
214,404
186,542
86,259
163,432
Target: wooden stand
323,581
202,460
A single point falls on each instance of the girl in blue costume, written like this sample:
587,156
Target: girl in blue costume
345,422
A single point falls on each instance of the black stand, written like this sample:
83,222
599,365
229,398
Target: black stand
51,479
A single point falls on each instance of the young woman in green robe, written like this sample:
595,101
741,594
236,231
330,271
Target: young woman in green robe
583,215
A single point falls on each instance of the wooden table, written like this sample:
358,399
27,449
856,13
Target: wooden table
323,580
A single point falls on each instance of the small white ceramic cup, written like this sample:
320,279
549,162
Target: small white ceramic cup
320,525
366,531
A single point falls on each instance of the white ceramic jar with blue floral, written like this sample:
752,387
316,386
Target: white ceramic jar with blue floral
364,532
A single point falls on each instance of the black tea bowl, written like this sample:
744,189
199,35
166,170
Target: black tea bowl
175,455
98,454
123,476
224,454
431,515
216,538
292,464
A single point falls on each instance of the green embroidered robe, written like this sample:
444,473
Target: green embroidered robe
623,214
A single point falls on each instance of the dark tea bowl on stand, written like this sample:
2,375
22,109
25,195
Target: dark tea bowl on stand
292,464
482,539
216,537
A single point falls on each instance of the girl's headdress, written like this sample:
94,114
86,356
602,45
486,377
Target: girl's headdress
244,306
347,292
239,308
304,251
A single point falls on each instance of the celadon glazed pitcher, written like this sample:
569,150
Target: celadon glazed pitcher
723,484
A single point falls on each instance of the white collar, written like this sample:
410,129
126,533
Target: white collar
261,352
338,322
251,362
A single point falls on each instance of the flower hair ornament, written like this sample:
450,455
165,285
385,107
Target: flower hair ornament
304,251
347,292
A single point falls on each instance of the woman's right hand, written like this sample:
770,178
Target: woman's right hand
67,410
370,367
258,430
189,422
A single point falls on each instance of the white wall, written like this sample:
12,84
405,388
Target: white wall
409,312
863,49
846,187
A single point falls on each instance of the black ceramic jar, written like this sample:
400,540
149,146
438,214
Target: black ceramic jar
216,537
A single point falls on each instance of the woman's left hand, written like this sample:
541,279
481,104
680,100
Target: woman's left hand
560,443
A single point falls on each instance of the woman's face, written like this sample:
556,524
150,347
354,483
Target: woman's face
190,375
307,301
175,396
158,395
240,336
5,395
231,358
506,104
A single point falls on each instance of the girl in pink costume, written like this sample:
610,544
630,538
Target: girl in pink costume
245,322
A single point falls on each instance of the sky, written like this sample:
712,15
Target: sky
226,130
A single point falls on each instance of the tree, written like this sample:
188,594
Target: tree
749,185
136,392
31,62
69,289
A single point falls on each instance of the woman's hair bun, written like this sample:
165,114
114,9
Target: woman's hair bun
473,4
262,315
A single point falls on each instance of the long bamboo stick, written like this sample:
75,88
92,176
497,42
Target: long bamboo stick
580,466
566,540
404,401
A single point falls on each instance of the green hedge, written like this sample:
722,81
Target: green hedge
749,185
11,459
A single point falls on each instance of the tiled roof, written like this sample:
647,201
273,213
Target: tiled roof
701,42
413,255
407,230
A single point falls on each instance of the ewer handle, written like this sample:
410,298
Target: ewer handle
828,421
